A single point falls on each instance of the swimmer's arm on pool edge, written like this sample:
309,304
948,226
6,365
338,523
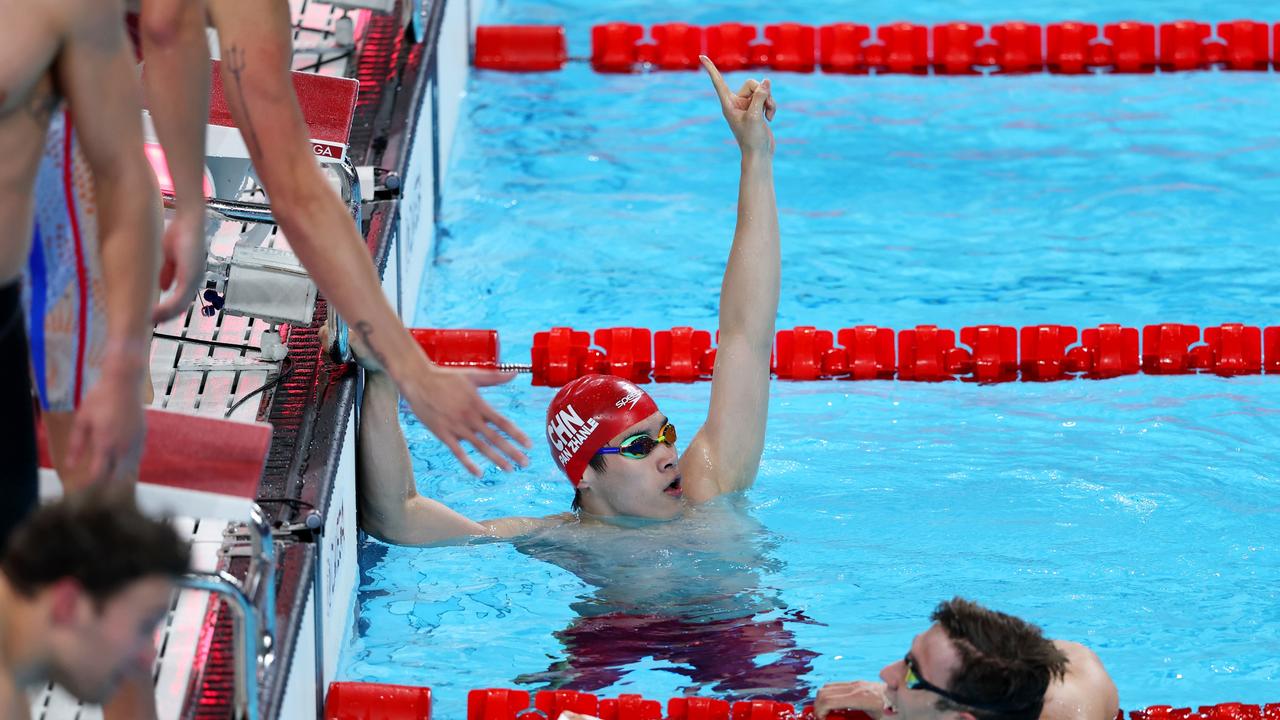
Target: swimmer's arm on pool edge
725,454
390,507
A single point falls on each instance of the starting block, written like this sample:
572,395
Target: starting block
195,465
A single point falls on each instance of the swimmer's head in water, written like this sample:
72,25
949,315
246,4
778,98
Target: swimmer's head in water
99,576
598,412
973,661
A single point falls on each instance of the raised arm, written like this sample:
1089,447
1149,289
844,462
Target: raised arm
95,72
725,454
255,39
177,84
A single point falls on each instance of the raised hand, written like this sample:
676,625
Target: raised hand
447,403
747,111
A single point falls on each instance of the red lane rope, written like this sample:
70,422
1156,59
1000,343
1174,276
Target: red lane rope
397,702
925,353
956,48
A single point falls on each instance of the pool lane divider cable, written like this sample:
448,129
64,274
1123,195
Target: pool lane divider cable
925,353
845,48
403,702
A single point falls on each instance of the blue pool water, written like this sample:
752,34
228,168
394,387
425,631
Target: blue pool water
1137,515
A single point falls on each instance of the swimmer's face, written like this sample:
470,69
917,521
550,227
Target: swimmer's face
936,660
647,487
97,643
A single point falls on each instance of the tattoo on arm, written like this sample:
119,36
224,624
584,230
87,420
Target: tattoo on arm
235,64
365,328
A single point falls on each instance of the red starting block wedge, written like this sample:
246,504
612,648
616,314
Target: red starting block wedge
929,354
1234,349
1275,59
496,704
615,47
554,702
905,49
1165,348
682,354
729,45
1246,45
1106,351
792,47
561,355
195,452
1182,45
628,352
1019,47
804,353
459,348
630,707
1069,47
1044,351
523,48
762,710
366,701
697,708
840,48
955,50
328,107
1133,46
994,352
677,46
868,354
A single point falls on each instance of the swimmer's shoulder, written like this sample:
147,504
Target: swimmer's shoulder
1086,693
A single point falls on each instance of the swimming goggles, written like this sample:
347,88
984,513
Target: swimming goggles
639,446
913,681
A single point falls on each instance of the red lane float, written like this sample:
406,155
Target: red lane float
364,701
955,48
1246,45
370,701
615,47
1183,45
958,48
1018,48
840,48
520,48
792,47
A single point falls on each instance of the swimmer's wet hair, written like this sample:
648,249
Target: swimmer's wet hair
97,537
1004,661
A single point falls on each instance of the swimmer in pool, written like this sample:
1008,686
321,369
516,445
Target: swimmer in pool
608,436
979,664
673,558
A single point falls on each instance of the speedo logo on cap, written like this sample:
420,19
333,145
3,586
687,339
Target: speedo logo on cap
567,431
630,399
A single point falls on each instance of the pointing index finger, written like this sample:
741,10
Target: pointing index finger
721,88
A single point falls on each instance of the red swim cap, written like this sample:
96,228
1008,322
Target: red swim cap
587,413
